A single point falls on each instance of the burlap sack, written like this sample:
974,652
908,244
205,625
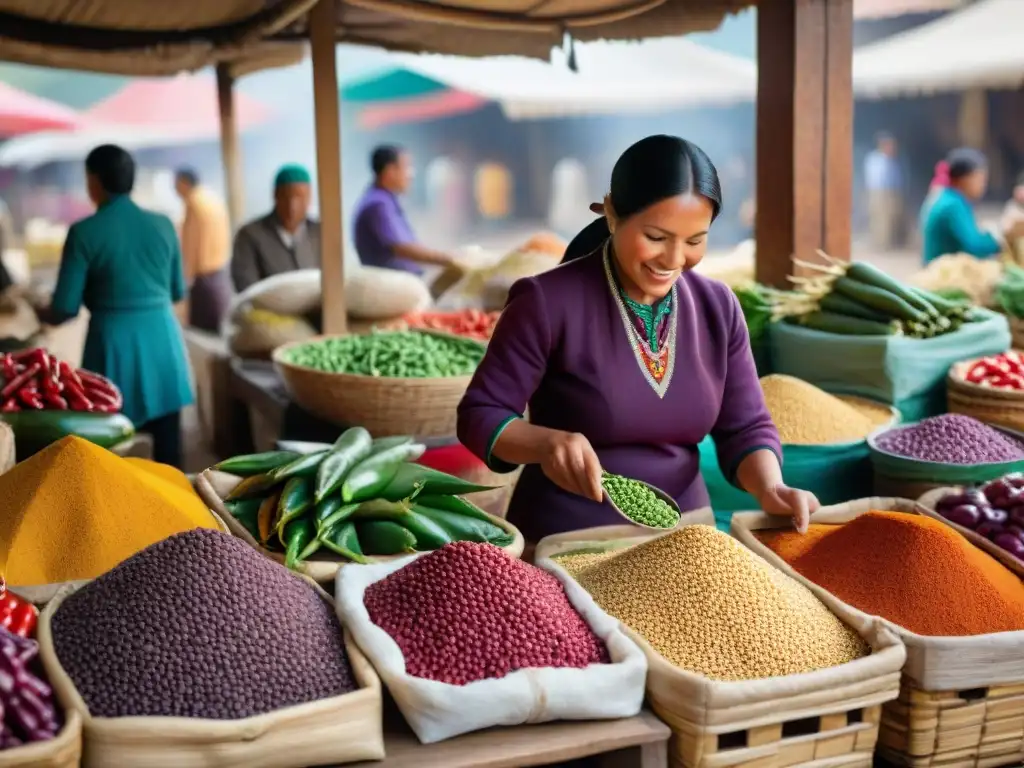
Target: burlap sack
932,663
341,729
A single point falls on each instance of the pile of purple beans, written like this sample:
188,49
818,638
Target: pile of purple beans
995,511
951,438
27,706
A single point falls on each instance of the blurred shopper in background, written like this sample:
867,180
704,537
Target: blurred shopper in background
884,182
205,250
948,224
284,240
123,263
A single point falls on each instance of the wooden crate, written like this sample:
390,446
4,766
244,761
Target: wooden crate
977,728
838,737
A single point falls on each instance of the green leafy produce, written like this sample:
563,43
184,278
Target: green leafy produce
639,502
391,354
1010,291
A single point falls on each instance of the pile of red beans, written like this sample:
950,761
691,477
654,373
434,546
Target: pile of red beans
469,612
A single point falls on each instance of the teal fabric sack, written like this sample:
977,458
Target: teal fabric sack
907,373
833,473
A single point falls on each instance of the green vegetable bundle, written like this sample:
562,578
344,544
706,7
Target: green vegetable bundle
858,299
1010,291
360,497
390,354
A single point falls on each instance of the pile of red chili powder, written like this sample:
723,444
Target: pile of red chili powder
910,569
470,612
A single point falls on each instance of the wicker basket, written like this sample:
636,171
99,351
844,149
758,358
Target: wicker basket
961,699
994,405
828,717
213,487
385,406
1017,332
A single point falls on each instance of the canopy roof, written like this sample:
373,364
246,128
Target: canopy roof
186,104
146,38
649,76
979,46
22,112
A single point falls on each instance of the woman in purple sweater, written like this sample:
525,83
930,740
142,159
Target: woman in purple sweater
627,360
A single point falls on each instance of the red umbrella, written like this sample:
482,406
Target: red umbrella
22,112
184,105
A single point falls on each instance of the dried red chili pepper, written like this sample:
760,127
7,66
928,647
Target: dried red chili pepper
18,382
17,615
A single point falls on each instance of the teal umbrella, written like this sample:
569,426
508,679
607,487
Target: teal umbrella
390,85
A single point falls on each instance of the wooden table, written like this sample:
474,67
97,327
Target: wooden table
636,742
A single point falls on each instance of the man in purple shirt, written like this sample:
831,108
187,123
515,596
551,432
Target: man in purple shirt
383,236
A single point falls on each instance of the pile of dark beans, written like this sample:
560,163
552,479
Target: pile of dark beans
469,612
200,625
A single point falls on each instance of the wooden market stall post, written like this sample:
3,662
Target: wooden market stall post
804,134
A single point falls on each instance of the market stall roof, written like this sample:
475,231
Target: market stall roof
977,47
612,77
145,114
22,112
186,104
886,9
127,36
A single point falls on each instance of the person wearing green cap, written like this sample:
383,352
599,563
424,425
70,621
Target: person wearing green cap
284,240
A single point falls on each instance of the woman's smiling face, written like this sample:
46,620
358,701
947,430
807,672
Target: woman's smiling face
656,245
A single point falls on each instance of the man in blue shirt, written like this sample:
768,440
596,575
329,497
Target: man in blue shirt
382,234
883,180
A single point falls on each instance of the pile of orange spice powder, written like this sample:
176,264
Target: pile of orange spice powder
910,569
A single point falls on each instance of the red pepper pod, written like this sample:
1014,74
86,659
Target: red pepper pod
55,401
31,398
19,381
10,406
69,374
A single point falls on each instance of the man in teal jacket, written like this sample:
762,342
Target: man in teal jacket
123,264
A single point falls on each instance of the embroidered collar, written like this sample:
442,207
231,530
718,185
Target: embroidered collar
656,365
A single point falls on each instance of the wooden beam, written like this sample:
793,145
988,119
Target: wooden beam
322,23
230,148
804,133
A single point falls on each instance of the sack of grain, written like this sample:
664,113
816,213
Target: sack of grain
258,332
438,710
291,293
374,293
824,444
693,609
909,374
487,288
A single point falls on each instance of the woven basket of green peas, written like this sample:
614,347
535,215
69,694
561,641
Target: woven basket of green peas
391,382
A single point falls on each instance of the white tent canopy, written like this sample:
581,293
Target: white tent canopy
651,76
981,46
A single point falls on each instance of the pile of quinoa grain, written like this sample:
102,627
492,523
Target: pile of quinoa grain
806,415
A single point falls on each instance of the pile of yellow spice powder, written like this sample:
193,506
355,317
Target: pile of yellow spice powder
75,510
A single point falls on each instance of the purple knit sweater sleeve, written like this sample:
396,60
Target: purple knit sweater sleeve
744,424
509,374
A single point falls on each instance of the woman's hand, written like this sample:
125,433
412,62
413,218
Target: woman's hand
784,501
570,462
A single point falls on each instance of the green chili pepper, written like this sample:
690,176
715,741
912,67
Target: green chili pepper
462,528
384,443
304,466
385,537
339,513
352,447
411,480
326,508
251,487
255,463
296,500
429,535
298,534
343,539
456,504
372,475
247,514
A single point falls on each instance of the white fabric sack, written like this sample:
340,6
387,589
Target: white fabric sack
437,711
374,293
290,293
